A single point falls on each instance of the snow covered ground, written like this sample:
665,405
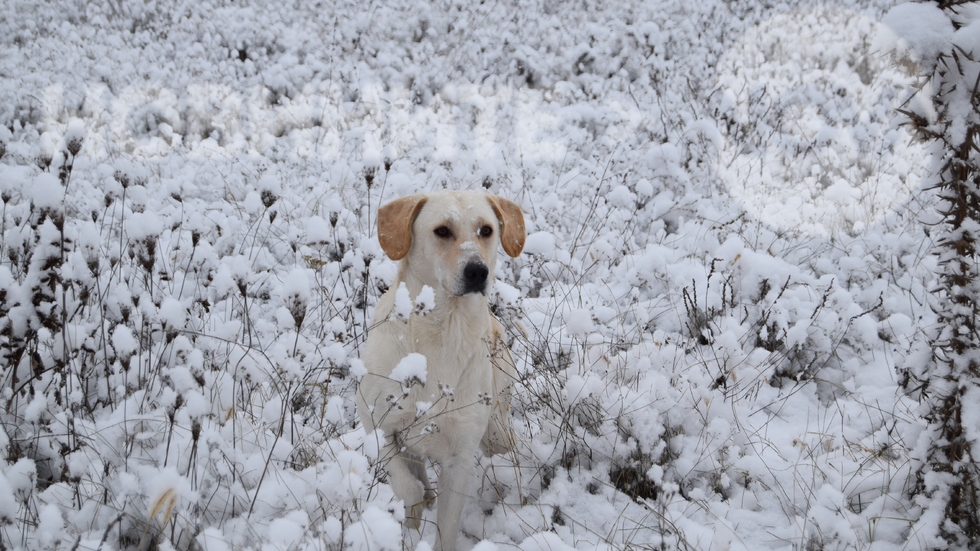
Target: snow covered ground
727,261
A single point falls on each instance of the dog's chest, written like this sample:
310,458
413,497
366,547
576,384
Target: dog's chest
456,395
456,360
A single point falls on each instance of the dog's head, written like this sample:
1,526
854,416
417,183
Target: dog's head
449,239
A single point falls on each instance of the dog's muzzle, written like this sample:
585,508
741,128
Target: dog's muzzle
475,276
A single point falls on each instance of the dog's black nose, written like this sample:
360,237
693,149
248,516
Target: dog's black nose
475,277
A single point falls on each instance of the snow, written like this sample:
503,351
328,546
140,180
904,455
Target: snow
409,369
334,410
506,294
317,230
297,294
540,243
74,137
47,192
918,31
403,303
377,530
425,301
728,256
172,313
144,225
286,532
123,341
51,526
578,321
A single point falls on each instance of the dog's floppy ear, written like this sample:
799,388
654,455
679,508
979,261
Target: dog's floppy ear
512,232
395,225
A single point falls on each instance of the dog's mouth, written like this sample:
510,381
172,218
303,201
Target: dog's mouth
465,292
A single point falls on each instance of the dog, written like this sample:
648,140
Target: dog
447,242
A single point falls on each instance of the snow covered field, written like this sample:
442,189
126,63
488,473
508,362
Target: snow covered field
726,266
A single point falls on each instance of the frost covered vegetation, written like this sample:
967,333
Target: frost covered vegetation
722,311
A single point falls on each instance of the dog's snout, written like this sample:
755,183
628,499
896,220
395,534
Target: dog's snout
475,277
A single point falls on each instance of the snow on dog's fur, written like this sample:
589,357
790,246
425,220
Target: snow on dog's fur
448,242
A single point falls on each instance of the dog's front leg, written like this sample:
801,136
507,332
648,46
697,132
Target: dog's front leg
417,466
455,484
405,485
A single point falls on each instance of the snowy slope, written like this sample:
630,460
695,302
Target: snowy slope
727,260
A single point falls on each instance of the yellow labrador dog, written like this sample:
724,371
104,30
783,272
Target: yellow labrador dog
446,243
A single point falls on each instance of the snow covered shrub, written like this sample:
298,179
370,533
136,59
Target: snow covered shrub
725,263
946,112
145,347
799,123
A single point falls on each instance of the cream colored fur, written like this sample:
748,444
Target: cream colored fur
469,368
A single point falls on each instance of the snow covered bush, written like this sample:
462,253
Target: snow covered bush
726,261
944,372
155,358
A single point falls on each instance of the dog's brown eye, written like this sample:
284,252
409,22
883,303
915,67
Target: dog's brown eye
443,231
486,231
